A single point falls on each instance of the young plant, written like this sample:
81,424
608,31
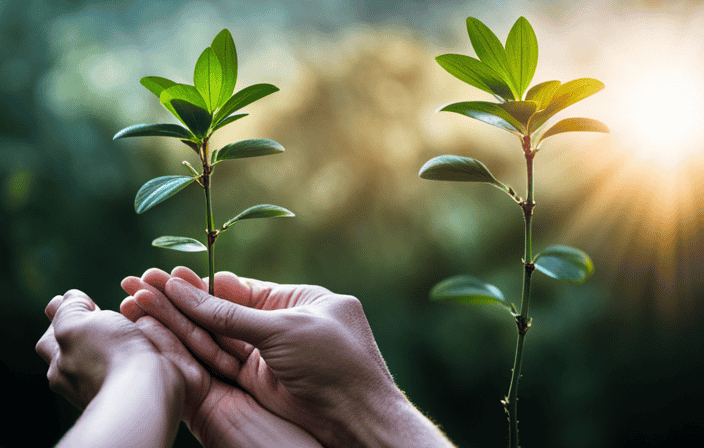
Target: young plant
506,72
203,108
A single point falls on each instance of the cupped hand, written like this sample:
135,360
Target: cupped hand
217,412
307,354
84,345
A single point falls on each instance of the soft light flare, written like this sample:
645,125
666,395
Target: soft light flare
666,113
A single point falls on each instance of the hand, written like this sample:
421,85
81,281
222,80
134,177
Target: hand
102,362
218,413
83,345
308,355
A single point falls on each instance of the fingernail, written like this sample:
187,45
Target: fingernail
179,288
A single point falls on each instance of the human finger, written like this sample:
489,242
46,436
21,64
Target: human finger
73,308
238,348
229,286
191,277
47,347
169,346
156,277
53,305
222,317
194,337
130,309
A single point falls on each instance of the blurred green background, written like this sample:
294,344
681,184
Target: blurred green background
612,363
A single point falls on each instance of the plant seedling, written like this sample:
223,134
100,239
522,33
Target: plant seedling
506,72
203,108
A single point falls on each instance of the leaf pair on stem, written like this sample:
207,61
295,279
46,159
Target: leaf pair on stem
506,72
202,109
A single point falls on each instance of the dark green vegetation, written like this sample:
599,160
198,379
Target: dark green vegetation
506,72
602,366
203,109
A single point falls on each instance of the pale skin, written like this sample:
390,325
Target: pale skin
307,355
305,359
136,381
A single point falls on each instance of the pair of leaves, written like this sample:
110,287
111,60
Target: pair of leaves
187,105
215,73
161,188
543,101
214,78
184,244
560,262
503,72
562,97
209,104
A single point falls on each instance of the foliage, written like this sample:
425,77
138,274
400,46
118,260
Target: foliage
203,108
506,72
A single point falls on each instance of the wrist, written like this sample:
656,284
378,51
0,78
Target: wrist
148,371
389,420
139,404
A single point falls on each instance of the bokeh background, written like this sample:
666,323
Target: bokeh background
615,362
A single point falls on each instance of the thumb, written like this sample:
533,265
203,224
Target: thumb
220,316
73,308
74,302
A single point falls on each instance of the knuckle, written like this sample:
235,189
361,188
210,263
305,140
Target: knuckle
350,302
40,346
74,293
224,314
344,305
54,378
65,335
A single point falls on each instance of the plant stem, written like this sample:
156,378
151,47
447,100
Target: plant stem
207,171
522,320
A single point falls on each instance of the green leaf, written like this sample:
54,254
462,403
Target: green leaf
224,48
542,93
183,92
575,125
196,118
467,289
179,243
243,98
260,211
228,120
475,73
520,110
522,54
458,169
207,78
155,130
490,50
158,190
156,84
564,263
247,148
566,95
490,113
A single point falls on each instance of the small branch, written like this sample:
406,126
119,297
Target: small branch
523,321
513,195
212,234
198,176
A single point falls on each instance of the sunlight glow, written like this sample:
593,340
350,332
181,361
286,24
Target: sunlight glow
667,108
640,194
653,73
